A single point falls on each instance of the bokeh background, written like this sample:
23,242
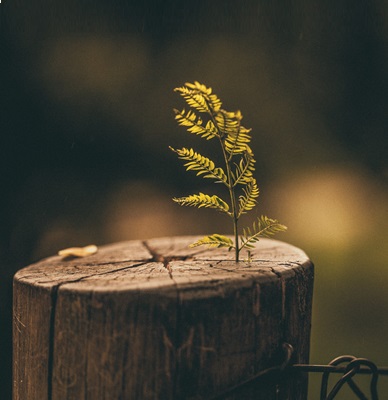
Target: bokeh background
86,120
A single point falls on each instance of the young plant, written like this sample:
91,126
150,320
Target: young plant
213,122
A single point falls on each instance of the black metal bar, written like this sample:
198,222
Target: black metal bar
334,369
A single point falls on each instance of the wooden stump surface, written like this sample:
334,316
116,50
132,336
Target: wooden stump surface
158,320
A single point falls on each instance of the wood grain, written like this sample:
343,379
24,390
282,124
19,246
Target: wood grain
158,320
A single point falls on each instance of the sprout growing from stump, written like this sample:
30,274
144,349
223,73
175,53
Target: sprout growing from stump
206,119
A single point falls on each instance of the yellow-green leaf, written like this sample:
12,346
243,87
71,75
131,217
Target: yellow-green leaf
214,240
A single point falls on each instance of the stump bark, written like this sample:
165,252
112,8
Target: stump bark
158,320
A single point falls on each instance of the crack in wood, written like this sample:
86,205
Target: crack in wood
50,372
165,260
277,273
54,298
91,275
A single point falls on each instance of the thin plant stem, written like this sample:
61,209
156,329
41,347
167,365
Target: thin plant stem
232,201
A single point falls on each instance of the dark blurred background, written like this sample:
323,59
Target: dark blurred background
86,119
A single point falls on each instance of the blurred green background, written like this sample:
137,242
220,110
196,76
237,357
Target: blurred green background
86,120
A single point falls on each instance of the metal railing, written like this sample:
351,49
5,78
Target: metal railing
346,365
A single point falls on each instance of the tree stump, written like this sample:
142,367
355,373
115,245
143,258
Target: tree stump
159,320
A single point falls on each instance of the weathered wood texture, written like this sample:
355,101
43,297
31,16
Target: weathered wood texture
157,320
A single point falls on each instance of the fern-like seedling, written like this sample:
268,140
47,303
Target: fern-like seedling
207,119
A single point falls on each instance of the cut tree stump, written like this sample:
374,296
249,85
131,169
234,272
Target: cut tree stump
158,320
